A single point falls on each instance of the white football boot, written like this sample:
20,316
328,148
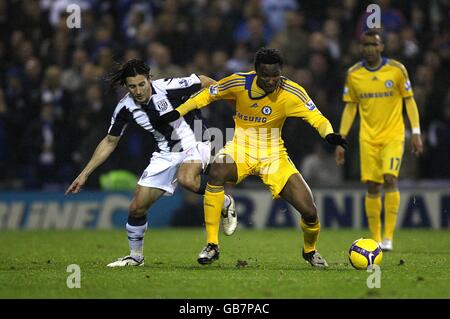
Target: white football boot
229,217
386,245
126,261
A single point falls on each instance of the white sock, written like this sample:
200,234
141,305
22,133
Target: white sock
136,240
227,201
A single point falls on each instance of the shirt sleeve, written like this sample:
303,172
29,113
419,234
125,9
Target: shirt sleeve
182,88
404,85
349,94
119,121
223,90
301,105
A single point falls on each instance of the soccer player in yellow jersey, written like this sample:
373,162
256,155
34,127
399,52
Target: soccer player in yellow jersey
377,87
264,99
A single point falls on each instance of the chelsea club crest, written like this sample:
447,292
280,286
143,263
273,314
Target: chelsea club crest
266,110
389,84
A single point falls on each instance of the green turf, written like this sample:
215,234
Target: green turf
33,265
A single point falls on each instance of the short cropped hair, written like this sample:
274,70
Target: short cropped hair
371,33
268,56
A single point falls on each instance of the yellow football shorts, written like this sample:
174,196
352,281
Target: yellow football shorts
378,160
274,169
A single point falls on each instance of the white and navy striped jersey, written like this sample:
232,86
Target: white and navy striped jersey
167,94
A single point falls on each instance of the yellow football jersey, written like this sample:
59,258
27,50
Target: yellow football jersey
259,116
379,93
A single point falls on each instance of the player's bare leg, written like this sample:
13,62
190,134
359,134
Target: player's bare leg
372,202
221,172
299,195
190,175
391,206
136,226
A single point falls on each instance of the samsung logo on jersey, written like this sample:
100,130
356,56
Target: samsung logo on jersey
248,118
371,95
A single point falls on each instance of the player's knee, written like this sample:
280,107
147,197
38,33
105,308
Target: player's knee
390,181
137,210
309,213
217,174
373,188
187,181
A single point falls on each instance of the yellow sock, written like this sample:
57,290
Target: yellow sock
391,205
373,212
310,235
212,204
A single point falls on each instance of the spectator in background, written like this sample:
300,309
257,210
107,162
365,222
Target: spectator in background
318,168
439,140
161,62
193,30
53,92
292,40
239,60
275,12
6,164
71,78
47,150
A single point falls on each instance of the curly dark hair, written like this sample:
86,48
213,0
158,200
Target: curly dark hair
268,56
130,68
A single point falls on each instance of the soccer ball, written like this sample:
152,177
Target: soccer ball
364,253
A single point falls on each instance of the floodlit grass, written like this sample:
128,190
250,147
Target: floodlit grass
253,264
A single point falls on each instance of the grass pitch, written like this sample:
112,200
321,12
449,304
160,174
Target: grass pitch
253,264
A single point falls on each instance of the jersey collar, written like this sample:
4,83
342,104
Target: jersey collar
250,80
383,62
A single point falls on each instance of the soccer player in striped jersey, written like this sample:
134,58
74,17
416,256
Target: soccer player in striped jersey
180,155
264,99
377,87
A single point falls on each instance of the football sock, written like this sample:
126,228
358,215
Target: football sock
391,205
373,212
310,234
136,227
201,190
212,204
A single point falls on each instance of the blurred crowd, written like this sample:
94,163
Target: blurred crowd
55,105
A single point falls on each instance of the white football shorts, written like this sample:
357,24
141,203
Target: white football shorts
162,171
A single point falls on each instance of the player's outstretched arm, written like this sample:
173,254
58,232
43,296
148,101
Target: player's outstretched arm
197,101
101,153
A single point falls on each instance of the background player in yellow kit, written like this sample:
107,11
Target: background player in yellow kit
264,99
376,87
